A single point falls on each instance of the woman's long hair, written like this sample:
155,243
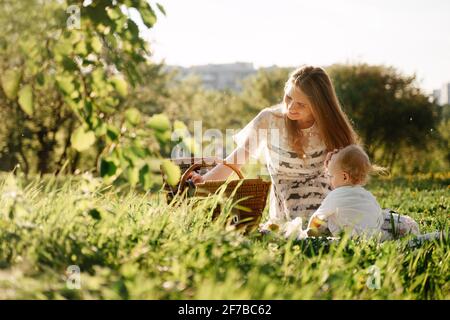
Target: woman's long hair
334,126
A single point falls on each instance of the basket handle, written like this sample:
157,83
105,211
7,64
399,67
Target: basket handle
196,166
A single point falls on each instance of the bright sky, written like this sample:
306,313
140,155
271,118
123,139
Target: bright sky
411,35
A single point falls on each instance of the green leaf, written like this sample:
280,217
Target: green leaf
95,214
130,157
148,15
82,140
121,85
163,136
28,46
101,129
145,177
140,152
62,48
159,122
26,100
40,78
74,37
154,165
161,8
133,116
81,48
108,168
65,84
98,75
10,82
69,64
106,108
112,133
133,176
96,44
114,14
172,172
179,125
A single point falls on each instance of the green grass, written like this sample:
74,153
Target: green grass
135,246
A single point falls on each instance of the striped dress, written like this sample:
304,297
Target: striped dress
298,184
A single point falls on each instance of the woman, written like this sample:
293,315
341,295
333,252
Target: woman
301,130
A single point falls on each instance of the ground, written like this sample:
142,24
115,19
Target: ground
74,238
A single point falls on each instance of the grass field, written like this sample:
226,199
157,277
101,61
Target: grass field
134,246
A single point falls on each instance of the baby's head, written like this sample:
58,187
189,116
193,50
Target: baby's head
348,167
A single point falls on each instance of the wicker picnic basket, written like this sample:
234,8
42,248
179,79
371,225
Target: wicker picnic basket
251,194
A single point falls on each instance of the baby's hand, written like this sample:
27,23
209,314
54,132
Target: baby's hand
316,227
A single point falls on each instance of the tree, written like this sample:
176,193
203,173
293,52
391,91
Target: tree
262,90
388,109
71,81
35,112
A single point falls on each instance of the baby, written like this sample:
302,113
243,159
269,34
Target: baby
349,207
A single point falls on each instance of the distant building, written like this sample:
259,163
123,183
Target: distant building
445,94
437,95
220,76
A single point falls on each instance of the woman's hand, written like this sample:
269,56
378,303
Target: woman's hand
196,178
328,157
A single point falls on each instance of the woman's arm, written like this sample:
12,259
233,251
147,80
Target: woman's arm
248,139
238,157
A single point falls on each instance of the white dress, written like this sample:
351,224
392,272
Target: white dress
298,185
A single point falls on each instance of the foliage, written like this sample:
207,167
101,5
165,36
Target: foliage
189,102
264,89
71,83
392,115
